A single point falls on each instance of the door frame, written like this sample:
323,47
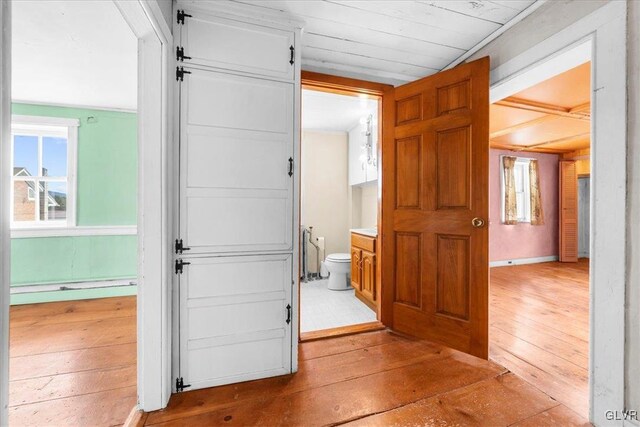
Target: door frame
351,87
155,61
600,35
154,95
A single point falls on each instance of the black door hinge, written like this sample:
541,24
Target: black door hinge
179,265
293,52
180,72
179,247
180,54
288,313
181,15
180,385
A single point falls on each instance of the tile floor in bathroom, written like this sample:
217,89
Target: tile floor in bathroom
324,309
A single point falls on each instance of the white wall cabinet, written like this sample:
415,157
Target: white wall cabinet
357,167
360,170
238,85
224,43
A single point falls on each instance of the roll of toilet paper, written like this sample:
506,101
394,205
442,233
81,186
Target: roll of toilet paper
324,273
321,254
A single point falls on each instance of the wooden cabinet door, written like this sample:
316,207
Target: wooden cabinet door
369,275
356,269
435,161
568,211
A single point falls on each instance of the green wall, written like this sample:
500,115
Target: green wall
107,193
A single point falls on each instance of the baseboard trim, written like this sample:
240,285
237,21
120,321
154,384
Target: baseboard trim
73,286
522,261
102,230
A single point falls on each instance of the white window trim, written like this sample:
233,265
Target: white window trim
527,201
36,125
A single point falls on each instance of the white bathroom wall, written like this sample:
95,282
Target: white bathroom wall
364,205
325,190
369,205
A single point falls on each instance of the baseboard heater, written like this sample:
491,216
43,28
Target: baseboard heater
522,261
72,286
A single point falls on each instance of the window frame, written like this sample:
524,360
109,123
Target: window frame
48,126
522,162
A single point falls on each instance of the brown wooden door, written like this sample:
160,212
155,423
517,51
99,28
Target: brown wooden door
568,195
369,275
435,188
356,268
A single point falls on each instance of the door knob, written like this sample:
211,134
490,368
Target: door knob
477,222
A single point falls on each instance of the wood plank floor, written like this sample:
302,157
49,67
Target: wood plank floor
374,378
539,327
73,363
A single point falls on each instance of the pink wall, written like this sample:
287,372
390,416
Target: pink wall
508,242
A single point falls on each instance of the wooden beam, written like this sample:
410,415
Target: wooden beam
342,85
511,129
582,108
524,104
560,140
518,148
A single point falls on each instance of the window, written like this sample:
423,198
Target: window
43,181
523,189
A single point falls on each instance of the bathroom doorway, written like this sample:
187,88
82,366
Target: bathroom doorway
340,168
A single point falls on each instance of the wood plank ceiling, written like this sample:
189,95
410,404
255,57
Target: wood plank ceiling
553,116
391,42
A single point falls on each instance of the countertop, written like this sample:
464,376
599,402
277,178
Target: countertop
371,232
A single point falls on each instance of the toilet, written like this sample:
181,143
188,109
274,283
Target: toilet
339,266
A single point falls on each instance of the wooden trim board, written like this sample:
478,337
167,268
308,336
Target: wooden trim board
341,331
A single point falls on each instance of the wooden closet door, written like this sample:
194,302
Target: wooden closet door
435,208
568,195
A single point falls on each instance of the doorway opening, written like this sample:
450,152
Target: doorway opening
540,146
73,215
341,136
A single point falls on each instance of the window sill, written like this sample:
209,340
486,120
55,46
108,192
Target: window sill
104,230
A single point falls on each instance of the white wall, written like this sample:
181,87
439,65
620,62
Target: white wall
550,18
632,362
166,7
368,205
325,195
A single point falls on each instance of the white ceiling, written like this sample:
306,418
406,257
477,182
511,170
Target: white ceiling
73,53
332,112
385,41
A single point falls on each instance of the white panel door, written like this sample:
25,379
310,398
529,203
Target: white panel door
232,45
236,181
233,319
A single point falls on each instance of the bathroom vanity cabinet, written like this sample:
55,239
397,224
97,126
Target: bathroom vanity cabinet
363,268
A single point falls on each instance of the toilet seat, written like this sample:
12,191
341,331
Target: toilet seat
339,257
